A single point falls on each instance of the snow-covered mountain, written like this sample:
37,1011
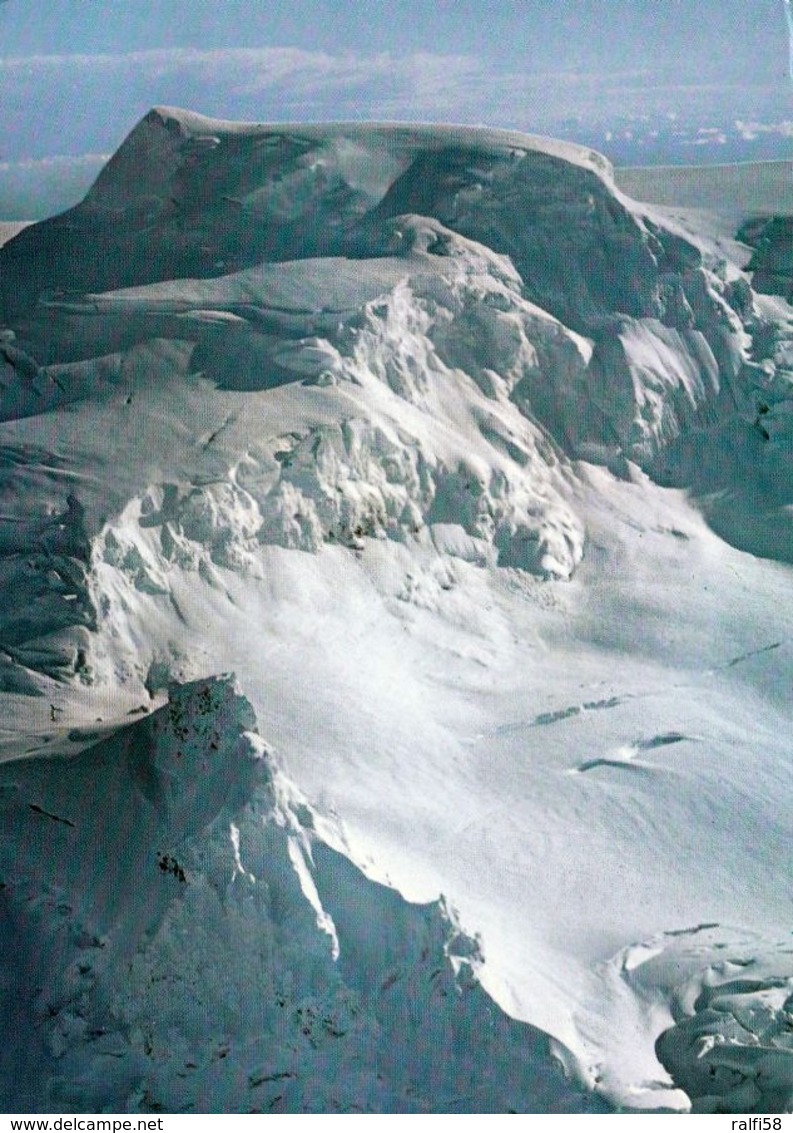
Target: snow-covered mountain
476,473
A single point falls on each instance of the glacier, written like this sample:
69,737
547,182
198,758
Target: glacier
475,473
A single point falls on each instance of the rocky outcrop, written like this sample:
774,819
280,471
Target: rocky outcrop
771,265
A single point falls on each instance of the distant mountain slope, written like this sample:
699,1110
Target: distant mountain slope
734,192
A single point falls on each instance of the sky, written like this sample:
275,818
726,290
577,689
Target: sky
76,75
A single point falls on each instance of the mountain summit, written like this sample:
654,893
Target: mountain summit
476,473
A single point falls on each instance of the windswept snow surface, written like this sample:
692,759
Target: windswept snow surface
477,474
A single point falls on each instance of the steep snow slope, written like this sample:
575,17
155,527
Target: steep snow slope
200,942
477,474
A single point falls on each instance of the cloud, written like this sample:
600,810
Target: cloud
32,189
87,103
287,74
82,102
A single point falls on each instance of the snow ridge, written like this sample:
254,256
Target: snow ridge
191,964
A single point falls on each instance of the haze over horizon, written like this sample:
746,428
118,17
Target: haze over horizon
75,80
